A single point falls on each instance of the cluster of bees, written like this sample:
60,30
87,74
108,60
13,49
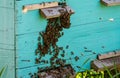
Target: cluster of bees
49,38
47,44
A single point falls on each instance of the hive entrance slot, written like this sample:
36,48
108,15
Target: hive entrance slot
58,72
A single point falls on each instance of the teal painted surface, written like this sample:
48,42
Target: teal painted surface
7,53
90,28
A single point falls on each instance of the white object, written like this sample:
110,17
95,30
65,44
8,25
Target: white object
111,19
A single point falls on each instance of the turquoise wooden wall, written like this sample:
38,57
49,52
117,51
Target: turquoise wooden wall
91,27
7,53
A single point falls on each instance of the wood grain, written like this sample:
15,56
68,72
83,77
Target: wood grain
110,2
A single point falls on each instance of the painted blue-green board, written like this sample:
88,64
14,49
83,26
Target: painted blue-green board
7,52
90,27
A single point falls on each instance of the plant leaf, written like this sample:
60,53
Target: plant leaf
107,71
1,71
115,68
116,75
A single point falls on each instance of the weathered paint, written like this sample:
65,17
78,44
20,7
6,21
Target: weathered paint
91,27
7,53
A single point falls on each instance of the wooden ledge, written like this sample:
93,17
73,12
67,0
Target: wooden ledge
110,2
54,12
39,6
108,55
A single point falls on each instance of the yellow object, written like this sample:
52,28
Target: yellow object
78,75
90,74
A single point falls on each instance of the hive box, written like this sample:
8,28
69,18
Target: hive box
91,33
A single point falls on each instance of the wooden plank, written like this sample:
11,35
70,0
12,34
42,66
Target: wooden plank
27,43
6,25
96,14
7,39
39,6
98,65
7,28
108,55
7,4
24,73
50,13
61,71
91,28
55,11
7,56
110,2
7,59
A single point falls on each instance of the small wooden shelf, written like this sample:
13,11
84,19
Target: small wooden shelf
107,60
55,11
40,5
98,65
110,2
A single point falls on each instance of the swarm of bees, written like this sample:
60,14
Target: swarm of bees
47,39
47,44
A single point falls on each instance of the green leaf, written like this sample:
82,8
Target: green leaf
108,71
116,71
116,75
1,71
115,68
